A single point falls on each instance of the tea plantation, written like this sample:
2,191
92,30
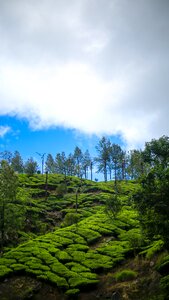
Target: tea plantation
75,243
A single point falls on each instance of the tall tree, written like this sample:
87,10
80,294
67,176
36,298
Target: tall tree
136,165
6,155
117,156
78,156
61,163
17,162
50,165
156,152
70,165
8,190
31,166
86,163
153,197
103,159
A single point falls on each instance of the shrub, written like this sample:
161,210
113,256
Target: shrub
4,271
72,292
63,255
125,275
18,267
76,267
164,285
163,266
90,235
61,190
154,248
70,219
7,261
97,261
80,281
59,281
77,247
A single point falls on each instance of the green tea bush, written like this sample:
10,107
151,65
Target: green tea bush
77,247
77,267
4,271
90,235
7,261
163,266
63,256
125,275
18,267
154,248
72,292
97,261
77,256
71,218
164,285
59,281
81,282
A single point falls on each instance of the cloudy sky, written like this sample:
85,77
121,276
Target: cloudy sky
92,66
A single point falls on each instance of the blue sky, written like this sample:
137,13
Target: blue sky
21,137
73,71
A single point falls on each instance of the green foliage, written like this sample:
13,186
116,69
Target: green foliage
79,281
30,167
71,218
61,190
153,249
116,250
163,265
59,281
164,285
9,211
72,292
152,203
71,256
77,267
94,261
89,235
113,206
125,275
18,267
4,271
133,237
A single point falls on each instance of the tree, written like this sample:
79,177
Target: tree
86,163
113,206
8,190
136,165
117,156
6,155
103,159
78,156
157,152
17,162
152,203
50,165
70,165
152,200
31,166
61,163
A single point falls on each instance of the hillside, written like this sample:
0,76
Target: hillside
76,244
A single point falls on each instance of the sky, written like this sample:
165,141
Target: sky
72,71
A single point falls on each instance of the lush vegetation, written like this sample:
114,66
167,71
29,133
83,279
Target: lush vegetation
76,234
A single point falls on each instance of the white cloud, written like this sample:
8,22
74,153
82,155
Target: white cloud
100,69
4,130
